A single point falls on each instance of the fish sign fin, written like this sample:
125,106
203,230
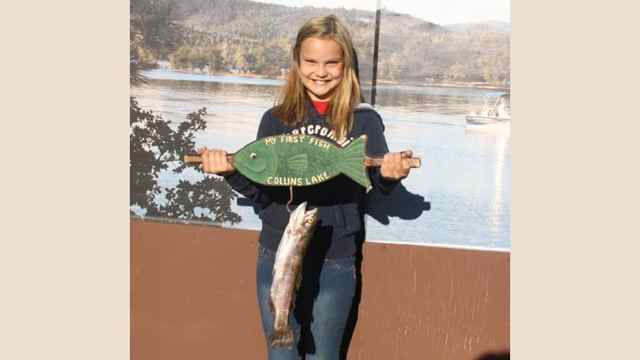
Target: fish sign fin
351,161
298,163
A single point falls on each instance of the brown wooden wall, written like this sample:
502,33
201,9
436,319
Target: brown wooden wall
193,297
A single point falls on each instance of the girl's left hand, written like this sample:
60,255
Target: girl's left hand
395,166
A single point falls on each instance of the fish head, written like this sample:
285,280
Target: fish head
310,220
257,161
297,216
303,220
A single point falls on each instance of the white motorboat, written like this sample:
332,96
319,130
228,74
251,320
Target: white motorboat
493,114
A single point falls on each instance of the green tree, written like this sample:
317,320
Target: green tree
181,58
156,147
274,57
157,22
199,59
456,72
239,59
488,70
214,59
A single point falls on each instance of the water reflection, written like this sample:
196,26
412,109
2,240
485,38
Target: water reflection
500,139
501,147
444,101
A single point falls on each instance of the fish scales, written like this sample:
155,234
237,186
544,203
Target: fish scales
287,271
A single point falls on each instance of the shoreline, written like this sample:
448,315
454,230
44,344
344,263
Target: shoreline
470,85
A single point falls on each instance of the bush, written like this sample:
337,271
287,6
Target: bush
154,148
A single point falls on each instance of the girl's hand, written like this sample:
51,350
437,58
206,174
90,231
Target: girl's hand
395,166
214,161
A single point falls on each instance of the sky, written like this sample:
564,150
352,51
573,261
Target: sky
441,12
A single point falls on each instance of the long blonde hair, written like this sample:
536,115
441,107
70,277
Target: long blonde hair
290,106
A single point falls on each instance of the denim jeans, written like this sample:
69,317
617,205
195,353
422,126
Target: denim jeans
321,309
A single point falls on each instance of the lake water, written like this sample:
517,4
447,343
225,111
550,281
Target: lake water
465,176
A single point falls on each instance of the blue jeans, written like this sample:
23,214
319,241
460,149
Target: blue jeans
321,309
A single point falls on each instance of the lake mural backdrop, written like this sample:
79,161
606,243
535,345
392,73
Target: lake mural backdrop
203,73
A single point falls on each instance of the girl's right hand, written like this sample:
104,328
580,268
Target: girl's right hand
214,161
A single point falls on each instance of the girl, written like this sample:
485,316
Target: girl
321,97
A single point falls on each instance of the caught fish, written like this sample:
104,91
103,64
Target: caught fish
287,271
302,160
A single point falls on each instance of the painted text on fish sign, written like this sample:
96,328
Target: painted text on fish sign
321,144
291,139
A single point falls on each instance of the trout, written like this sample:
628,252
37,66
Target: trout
287,271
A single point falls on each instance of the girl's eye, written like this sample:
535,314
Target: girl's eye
253,155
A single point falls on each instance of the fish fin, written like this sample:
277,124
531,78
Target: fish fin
282,337
351,161
298,162
271,307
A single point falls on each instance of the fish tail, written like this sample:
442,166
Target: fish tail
282,337
351,161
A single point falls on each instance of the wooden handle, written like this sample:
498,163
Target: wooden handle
197,159
192,159
414,162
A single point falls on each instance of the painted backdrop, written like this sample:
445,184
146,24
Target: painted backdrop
203,72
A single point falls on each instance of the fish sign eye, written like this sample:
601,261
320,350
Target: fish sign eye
253,155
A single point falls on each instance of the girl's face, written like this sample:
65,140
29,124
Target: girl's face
321,67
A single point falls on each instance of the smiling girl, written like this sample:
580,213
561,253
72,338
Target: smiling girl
321,97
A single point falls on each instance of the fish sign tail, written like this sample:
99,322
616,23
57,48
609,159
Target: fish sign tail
351,162
282,337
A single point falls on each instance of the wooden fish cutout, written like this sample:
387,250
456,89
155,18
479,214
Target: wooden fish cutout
302,160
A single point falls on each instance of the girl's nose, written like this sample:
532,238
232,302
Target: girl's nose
322,71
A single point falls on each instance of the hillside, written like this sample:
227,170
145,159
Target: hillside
255,38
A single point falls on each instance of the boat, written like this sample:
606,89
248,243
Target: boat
494,114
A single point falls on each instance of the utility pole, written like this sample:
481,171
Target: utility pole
376,41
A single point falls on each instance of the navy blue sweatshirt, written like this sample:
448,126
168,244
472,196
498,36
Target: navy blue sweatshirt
340,200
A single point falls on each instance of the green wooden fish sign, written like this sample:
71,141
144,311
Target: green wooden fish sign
302,160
